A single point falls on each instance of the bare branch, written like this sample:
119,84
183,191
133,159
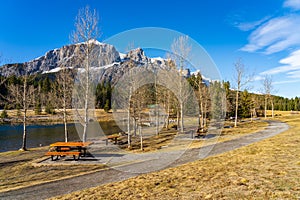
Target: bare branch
242,79
86,26
86,30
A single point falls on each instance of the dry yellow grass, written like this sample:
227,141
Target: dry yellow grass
269,169
244,127
100,114
18,169
165,137
152,143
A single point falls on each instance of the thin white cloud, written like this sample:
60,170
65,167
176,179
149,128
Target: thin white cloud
258,78
275,35
286,82
293,4
277,70
291,66
293,59
278,34
247,26
294,74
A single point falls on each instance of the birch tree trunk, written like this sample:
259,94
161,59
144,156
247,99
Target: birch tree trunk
272,103
181,118
236,107
268,88
128,119
65,105
181,49
266,102
86,30
65,112
86,103
24,140
168,111
242,79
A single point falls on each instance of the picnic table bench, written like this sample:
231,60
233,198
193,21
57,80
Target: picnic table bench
75,149
63,153
113,138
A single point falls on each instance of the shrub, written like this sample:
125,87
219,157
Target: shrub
49,109
38,109
4,114
106,106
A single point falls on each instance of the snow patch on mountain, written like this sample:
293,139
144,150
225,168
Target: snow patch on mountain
122,55
57,69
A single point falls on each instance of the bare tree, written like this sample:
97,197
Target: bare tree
130,98
138,99
22,95
86,30
131,65
181,51
268,88
63,94
241,78
202,98
255,105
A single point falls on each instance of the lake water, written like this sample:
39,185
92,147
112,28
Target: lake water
11,135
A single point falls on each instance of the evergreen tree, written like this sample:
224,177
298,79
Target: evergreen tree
38,108
46,85
4,113
18,107
296,104
106,106
49,109
246,104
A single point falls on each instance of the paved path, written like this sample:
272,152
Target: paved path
144,165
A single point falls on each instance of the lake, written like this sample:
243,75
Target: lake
43,135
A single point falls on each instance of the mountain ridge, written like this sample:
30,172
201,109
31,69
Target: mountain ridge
107,61
66,55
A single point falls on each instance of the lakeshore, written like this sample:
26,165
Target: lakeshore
57,118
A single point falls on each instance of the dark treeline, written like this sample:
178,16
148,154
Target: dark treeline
47,93
46,88
103,96
250,103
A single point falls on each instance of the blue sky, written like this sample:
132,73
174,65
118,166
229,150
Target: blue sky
265,33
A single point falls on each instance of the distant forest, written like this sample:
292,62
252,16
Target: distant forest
46,93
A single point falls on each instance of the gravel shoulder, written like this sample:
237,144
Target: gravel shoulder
121,170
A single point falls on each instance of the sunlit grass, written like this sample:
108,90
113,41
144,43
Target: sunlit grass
20,169
268,169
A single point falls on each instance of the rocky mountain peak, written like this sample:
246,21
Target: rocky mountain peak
137,55
107,63
67,55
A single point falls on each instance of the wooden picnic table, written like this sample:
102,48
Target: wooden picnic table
113,138
68,148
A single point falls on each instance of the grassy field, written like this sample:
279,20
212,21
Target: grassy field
269,169
19,169
266,169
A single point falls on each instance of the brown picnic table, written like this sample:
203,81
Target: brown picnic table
75,149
